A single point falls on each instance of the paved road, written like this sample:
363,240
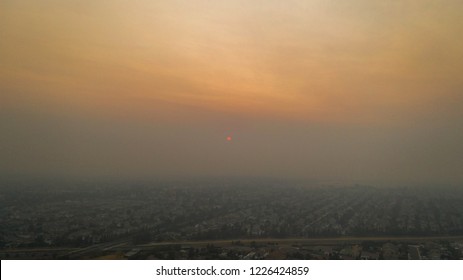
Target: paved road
309,240
124,245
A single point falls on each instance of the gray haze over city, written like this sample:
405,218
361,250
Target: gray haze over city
420,151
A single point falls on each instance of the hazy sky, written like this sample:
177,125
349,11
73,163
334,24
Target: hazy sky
348,91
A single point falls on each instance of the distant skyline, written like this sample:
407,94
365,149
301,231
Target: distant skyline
367,92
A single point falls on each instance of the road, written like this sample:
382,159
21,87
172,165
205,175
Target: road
124,245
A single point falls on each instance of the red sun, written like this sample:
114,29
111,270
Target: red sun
229,138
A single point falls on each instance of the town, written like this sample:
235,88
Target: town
231,219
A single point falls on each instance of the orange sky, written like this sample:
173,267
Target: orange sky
311,60
390,64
